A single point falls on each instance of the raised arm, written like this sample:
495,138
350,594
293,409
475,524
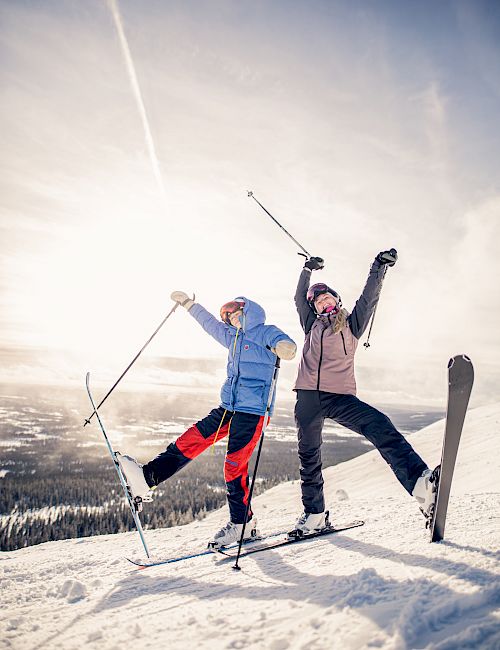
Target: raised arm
366,303
210,324
306,314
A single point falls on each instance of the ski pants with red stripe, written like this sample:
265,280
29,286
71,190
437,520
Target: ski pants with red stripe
243,431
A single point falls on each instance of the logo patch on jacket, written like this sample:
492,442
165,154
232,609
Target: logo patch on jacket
246,346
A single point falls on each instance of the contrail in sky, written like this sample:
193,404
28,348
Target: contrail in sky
113,5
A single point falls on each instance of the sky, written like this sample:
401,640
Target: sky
131,133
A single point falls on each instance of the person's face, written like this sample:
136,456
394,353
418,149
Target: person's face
323,301
234,318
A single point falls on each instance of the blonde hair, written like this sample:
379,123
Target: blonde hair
340,321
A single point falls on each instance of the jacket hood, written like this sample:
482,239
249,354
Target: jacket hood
253,314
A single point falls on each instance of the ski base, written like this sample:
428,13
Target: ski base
287,539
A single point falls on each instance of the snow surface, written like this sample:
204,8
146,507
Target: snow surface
379,586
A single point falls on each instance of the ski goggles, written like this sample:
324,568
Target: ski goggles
318,289
230,308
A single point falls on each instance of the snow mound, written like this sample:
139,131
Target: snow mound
379,586
368,476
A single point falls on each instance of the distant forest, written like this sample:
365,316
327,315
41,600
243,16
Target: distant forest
57,480
88,500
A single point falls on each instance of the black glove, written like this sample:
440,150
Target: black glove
314,263
388,257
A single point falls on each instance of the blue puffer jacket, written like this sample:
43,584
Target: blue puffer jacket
250,363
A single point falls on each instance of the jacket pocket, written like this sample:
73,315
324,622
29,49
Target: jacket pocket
226,392
250,393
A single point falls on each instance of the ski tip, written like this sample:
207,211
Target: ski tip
141,564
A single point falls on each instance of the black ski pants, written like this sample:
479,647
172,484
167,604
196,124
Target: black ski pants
311,409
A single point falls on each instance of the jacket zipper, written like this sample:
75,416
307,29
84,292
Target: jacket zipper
321,355
343,342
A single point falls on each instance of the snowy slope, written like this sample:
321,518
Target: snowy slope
379,586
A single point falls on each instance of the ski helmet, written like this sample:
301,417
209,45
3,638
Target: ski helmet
317,290
230,308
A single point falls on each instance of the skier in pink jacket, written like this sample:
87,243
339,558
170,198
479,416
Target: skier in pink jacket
326,388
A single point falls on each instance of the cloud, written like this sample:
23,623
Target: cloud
348,124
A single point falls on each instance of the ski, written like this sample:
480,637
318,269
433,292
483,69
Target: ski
144,564
460,380
287,539
135,506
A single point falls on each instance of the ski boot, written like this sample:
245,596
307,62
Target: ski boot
309,522
132,472
425,492
231,533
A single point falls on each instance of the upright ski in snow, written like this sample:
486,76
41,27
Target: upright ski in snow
133,505
460,380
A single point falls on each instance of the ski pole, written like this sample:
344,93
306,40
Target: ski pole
366,344
87,420
264,427
251,195
131,503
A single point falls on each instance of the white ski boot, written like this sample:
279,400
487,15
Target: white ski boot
425,491
231,533
134,478
310,522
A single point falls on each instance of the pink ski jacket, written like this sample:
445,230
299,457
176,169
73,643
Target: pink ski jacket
327,362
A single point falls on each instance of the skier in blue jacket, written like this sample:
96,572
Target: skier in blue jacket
253,347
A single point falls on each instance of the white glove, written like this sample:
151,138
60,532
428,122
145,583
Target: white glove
182,298
285,349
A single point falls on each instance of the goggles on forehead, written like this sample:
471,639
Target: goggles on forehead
316,290
319,289
230,308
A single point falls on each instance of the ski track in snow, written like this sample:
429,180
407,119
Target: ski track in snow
379,586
